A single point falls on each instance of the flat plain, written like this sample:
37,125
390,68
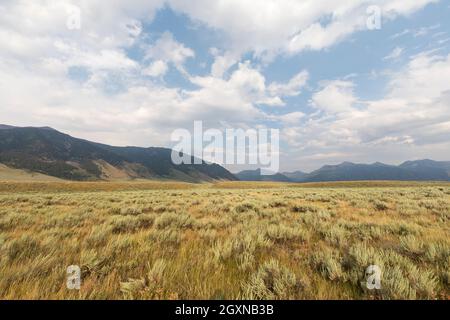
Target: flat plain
225,240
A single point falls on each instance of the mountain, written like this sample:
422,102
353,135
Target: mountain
427,165
4,126
255,175
421,170
378,171
296,176
47,151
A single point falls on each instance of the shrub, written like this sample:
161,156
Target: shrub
380,206
334,234
437,252
169,219
238,246
166,237
411,244
282,233
99,235
208,235
24,247
277,204
304,208
92,263
328,264
359,257
149,287
132,211
245,207
124,224
270,282
401,279
408,284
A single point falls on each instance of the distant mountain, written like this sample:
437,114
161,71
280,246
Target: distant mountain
4,126
421,170
255,175
296,176
47,151
378,171
427,165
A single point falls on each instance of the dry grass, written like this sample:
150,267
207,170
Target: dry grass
167,240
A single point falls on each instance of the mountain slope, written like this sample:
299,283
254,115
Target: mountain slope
421,170
10,174
296,176
409,171
53,153
427,166
255,175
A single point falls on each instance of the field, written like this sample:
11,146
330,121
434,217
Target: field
166,240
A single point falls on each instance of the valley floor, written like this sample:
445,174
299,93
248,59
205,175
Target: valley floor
232,240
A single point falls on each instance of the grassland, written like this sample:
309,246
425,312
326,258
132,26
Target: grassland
154,240
10,174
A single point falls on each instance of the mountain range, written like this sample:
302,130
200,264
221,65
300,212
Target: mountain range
47,151
420,170
50,152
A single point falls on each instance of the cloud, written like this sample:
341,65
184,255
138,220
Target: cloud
156,69
292,118
318,37
241,92
292,88
394,54
222,63
425,30
168,50
289,26
87,82
410,120
334,97
141,113
425,79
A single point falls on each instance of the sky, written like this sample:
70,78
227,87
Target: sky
338,87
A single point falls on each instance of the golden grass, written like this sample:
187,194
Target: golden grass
169,240
10,174
94,186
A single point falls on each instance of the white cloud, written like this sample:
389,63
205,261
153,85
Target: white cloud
412,120
394,54
318,37
167,49
425,79
156,69
240,93
292,118
222,63
425,30
334,97
274,26
292,88
116,104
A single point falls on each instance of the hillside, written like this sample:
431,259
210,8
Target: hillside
348,171
296,176
421,170
10,174
255,175
47,151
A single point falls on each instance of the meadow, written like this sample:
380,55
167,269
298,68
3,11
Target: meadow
227,240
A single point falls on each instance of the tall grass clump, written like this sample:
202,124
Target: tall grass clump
272,282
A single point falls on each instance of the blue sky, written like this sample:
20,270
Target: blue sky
133,71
